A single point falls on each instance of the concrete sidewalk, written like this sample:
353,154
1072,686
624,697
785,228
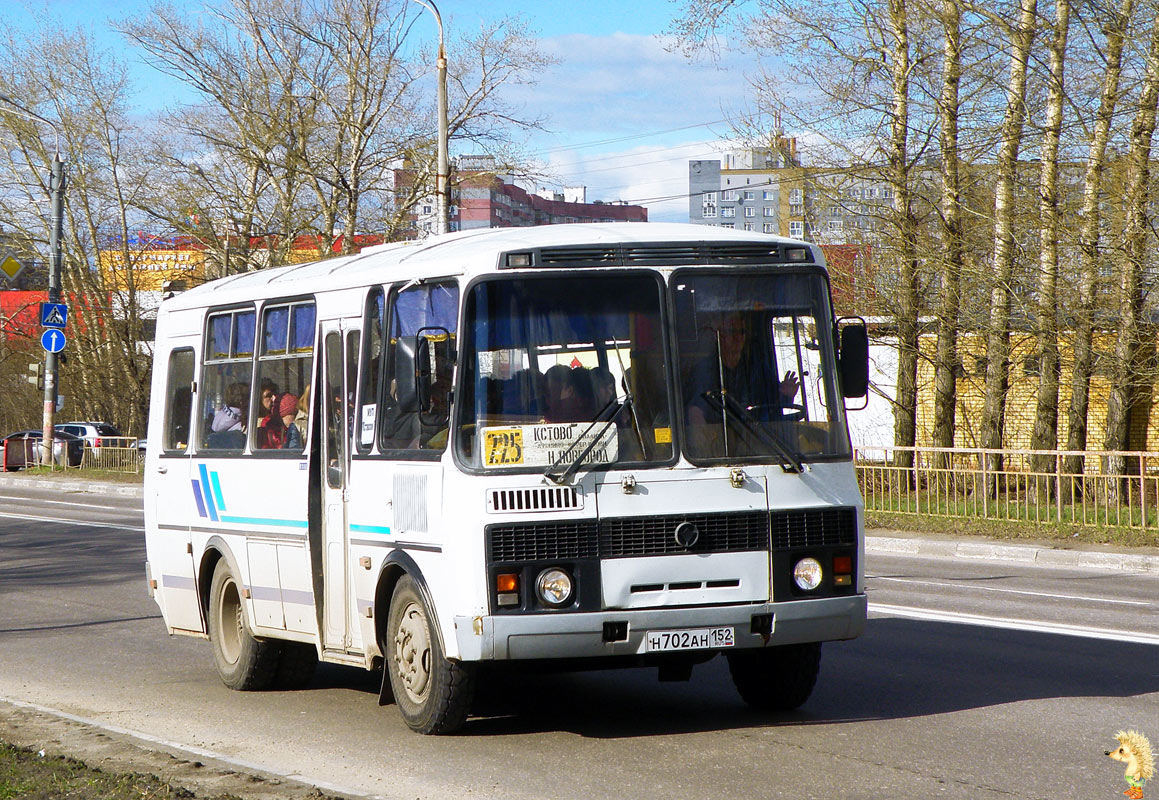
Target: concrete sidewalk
1042,553
880,541
73,482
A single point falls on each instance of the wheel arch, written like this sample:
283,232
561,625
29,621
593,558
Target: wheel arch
216,550
394,566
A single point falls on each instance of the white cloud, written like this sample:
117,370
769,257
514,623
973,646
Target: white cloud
663,109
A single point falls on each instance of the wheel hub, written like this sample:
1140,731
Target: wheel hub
412,652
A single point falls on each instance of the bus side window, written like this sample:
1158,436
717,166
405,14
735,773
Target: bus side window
178,400
285,364
414,313
372,371
227,369
335,421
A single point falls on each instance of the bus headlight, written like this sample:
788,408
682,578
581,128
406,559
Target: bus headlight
807,574
554,587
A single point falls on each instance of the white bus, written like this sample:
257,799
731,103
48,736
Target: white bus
589,445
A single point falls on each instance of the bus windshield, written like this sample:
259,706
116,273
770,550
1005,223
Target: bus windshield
556,367
757,370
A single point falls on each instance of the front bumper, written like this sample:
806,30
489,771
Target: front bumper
580,635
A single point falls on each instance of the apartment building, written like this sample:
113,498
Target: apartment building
769,190
484,196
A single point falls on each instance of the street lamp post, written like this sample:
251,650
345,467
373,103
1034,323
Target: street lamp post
57,182
443,186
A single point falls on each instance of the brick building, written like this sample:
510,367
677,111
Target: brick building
483,197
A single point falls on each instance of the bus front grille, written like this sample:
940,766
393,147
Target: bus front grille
542,541
634,537
813,527
656,536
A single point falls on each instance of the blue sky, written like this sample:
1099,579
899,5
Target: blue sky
623,114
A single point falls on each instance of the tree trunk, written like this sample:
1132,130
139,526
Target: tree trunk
998,334
949,305
1129,298
1045,434
1116,29
905,408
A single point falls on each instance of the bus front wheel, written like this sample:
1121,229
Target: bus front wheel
432,693
776,678
243,662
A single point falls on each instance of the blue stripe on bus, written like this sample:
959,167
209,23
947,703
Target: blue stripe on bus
205,490
283,523
197,497
370,529
217,491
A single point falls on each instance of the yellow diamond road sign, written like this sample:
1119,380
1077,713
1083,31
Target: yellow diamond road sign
10,267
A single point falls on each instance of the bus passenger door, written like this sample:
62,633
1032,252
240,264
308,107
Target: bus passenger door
335,464
176,495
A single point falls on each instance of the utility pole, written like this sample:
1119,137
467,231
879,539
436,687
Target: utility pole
443,186
57,181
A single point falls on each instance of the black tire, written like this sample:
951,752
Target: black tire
776,678
243,662
296,665
432,693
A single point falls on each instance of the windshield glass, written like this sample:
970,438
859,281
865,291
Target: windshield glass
756,367
545,357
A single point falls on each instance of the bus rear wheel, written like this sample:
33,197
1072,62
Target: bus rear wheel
776,678
243,662
432,693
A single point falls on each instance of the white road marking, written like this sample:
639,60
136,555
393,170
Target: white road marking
9,515
185,748
1007,623
63,503
1010,591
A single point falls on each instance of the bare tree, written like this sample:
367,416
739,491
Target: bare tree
1045,434
1020,36
63,76
1116,27
1125,377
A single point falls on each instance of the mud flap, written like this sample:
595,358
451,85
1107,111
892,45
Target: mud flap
385,693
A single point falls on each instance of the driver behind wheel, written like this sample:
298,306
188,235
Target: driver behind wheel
748,370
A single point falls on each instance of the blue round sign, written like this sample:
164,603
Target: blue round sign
52,340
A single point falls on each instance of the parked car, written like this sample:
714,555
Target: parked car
66,449
91,432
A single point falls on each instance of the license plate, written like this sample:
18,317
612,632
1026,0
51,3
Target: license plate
690,639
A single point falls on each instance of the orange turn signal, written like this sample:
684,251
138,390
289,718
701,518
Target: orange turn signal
507,582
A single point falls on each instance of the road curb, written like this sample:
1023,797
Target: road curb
1018,553
74,485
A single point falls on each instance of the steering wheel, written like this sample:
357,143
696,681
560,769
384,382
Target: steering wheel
793,412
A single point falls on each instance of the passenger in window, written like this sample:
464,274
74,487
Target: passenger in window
228,426
568,396
275,407
604,386
296,428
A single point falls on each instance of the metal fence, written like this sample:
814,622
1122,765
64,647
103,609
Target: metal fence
1091,488
115,453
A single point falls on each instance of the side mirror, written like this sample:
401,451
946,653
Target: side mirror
853,361
405,390
433,364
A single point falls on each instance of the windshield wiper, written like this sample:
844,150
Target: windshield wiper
562,477
733,411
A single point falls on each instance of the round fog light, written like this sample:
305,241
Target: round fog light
807,574
554,587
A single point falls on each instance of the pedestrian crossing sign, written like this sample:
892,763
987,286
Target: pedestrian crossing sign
53,315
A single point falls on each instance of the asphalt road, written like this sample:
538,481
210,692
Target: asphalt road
932,700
